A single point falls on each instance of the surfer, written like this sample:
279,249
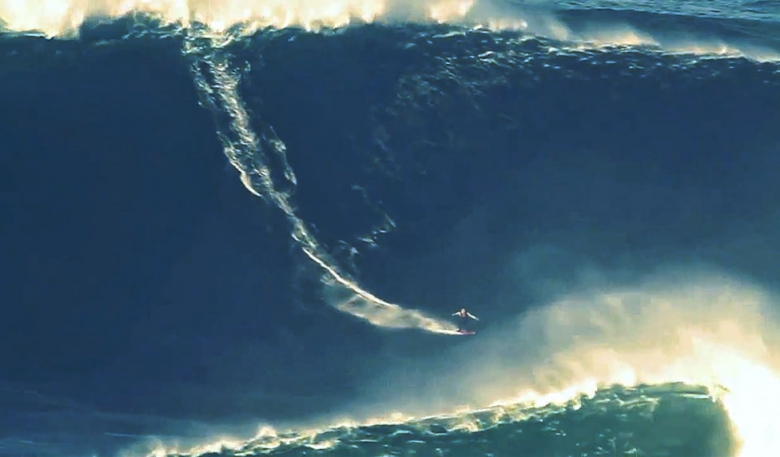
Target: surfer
464,316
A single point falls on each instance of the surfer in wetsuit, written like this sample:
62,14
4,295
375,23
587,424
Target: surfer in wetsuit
463,317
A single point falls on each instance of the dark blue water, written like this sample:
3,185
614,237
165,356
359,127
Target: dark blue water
146,292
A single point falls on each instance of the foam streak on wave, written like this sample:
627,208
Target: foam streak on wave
247,153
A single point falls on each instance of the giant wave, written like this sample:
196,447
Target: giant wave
421,106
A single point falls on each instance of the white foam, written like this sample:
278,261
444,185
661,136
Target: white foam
61,17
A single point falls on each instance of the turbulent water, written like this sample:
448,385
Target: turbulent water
608,165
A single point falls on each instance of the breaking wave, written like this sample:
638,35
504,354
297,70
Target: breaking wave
642,420
701,35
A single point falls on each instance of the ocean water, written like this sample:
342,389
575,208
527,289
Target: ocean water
242,228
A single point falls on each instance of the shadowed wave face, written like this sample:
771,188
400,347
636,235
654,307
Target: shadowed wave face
596,185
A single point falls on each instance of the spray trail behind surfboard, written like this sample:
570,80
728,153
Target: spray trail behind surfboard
248,152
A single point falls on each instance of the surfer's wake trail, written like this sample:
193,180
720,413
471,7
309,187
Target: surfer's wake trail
247,152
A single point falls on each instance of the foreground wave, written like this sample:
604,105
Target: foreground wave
667,419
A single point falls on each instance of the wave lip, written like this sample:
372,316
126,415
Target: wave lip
63,17
585,27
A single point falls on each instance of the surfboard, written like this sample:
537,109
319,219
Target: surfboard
466,332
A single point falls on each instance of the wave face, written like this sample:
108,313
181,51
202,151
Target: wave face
420,158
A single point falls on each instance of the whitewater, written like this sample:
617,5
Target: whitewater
617,366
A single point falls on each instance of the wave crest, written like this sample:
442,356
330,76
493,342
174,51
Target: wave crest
63,17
